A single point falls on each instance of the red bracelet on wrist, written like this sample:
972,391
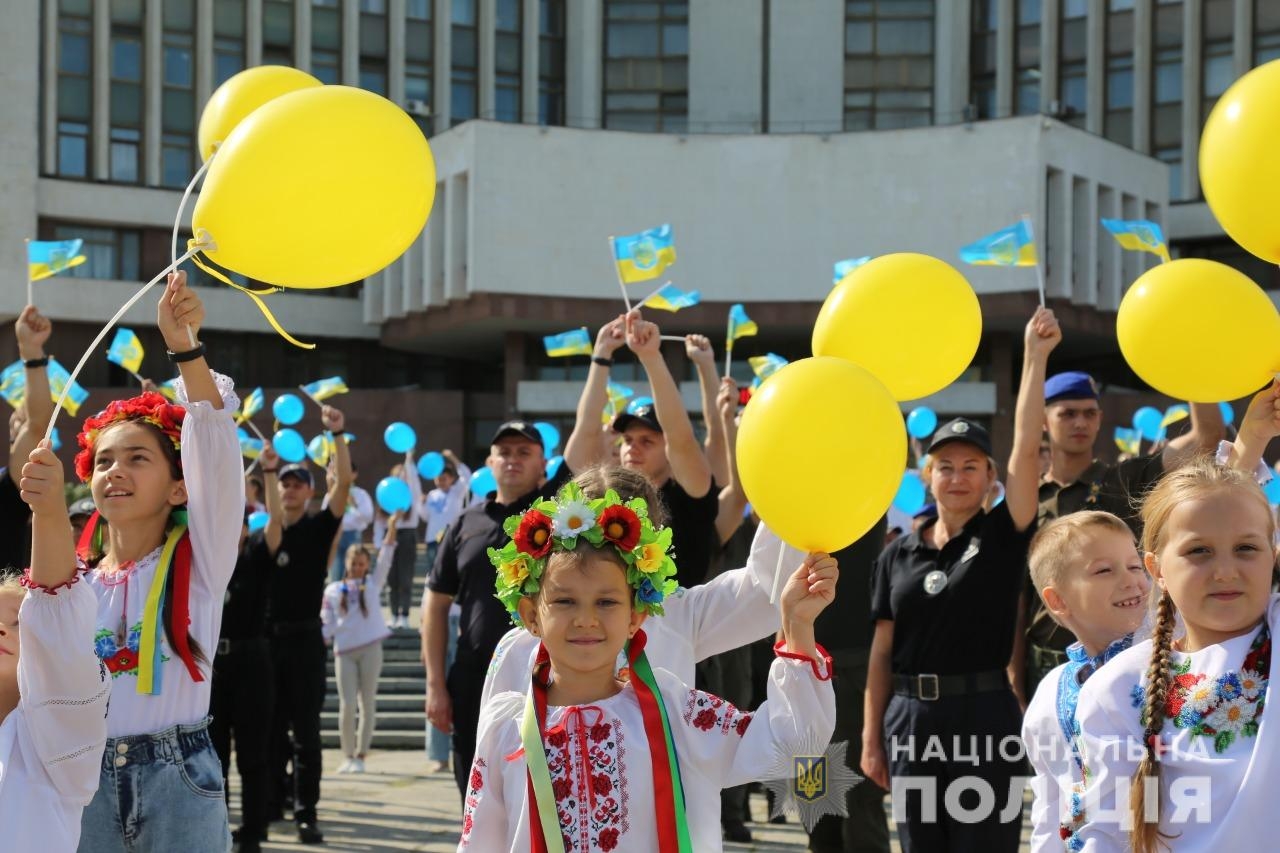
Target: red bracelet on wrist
824,658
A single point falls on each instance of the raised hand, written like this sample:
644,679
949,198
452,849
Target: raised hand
178,309
698,349
268,458
32,330
727,399
1261,420
42,481
1042,333
809,590
333,419
643,338
611,337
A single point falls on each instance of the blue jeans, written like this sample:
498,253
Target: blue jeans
158,793
346,539
439,744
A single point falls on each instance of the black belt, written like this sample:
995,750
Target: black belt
286,629
230,647
930,687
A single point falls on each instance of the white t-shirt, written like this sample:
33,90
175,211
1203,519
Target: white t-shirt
354,630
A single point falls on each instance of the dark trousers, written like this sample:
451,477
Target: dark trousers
989,718
299,660
243,696
865,830
465,683
400,578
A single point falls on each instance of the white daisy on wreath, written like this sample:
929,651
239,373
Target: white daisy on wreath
1231,716
572,519
1251,684
1202,695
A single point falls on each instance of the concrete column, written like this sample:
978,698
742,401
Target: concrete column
152,91
433,267
1095,67
1002,345
725,76
455,242
252,33
1050,28
395,51
1006,38
584,46
442,74
951,62
1242,37
203,54
1143,63
49,88
1191,68
20,81
806,66
302,35
530,46
486,18
351,42
101,153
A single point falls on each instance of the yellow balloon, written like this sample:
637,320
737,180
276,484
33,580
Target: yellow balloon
317,188
796,436
1199,330
873,317
243,93
1239,169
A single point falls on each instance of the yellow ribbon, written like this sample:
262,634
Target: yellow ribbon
151,625
255,295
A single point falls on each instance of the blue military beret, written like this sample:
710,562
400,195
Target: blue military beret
1072,385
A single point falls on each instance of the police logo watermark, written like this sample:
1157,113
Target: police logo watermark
812,784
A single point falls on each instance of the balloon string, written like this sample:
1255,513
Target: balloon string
254,295
177,221
777,572
93,347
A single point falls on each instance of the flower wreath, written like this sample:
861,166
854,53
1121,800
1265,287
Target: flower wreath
557,524
150,407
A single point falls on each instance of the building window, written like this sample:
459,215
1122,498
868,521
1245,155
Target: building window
646,66
228,39
888,64
1217,70
178,101
507,59
326,41
1266,31
1118,120
277,32
75,88
373,46
982,58
1072,47
466,51
551,62
1166,103
418,51
1026,58
110,253
125,152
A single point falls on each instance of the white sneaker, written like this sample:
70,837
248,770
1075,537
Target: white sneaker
357,765
345,767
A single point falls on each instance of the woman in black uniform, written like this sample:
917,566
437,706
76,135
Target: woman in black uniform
941,719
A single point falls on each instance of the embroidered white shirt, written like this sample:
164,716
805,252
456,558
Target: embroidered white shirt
354,630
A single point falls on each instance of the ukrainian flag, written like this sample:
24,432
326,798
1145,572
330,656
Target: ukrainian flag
672,298
765,366
13,384
1138,235
618,396
126,350
169,390
644,256
323,389
251,406
50,257
321,448
1008,247
740,325
843,268
59,379
1128,440
1175,413
574,342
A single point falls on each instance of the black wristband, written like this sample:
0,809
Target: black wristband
600,360
188,355
36,362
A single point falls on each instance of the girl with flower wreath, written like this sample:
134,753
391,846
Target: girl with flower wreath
160,551
1190,700
592,759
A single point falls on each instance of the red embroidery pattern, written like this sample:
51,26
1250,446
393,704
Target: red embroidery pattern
586,758
474,787
707,712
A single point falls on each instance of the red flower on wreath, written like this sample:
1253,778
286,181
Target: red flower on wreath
533,536
122,661
608,839
621,526
150,407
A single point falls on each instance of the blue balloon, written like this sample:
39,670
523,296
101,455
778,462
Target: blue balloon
482,483
257,521
289,445
922,422
553,466
1272,490
55,440
550,437
287,409
1228,413
911,494
393,494
430,465
1147,422
400,437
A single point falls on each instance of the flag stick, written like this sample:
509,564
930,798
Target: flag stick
728,356
1039,268
777,572
309,397
93,347
613,251
31,299
641,303
249,423
671,338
